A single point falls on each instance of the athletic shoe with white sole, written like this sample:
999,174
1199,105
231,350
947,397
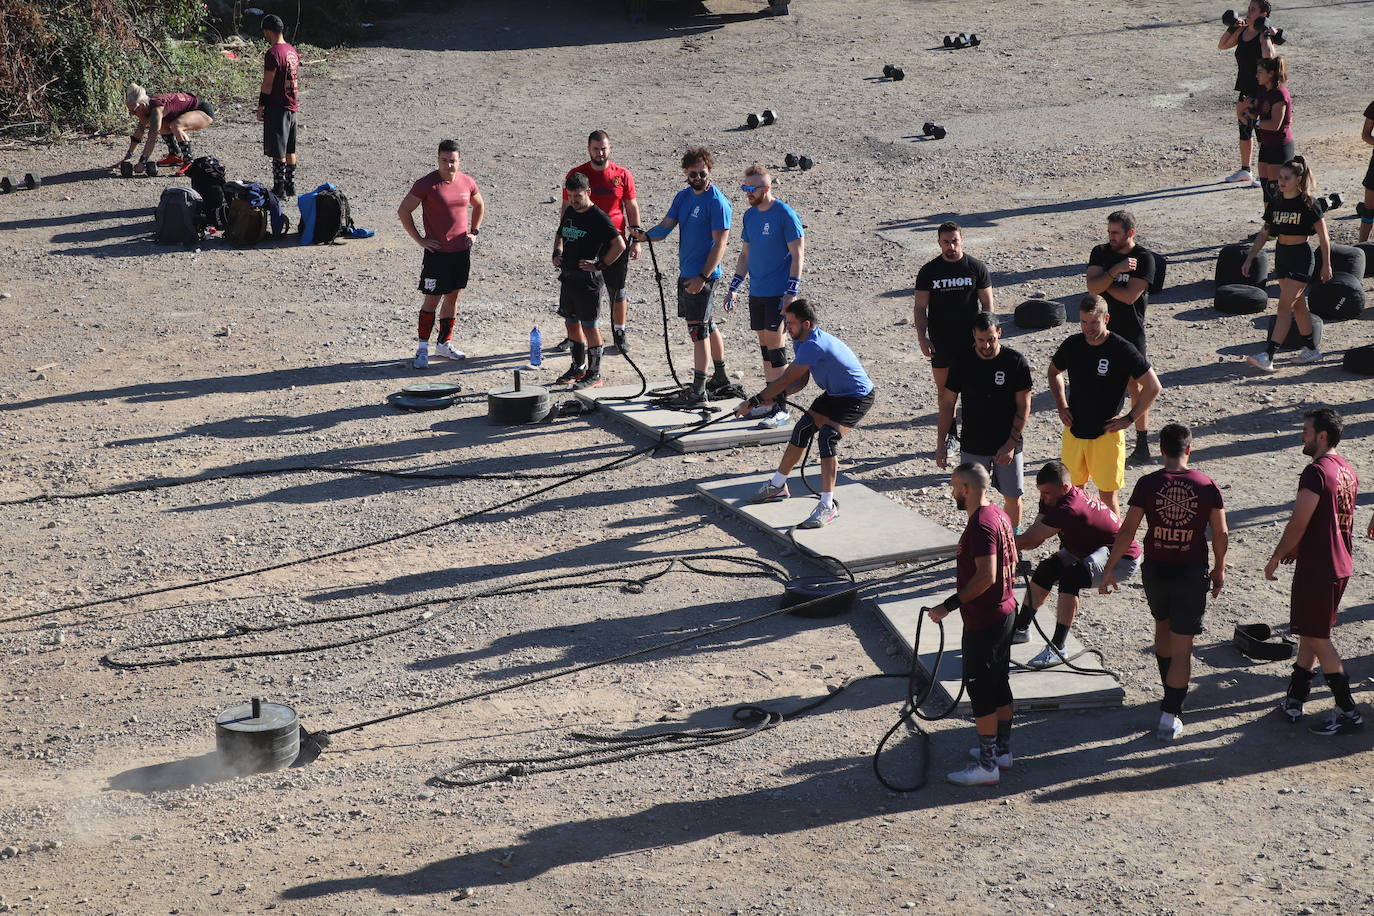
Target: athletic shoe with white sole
1003,761
975,775
775,420
1048,658
1169,729
758,413
1308,355
770,494
1241,175
421,357
1261,361
448,351
588,380
1291,709
622,346
573,374
561,347
821,516
1020,636
1339,723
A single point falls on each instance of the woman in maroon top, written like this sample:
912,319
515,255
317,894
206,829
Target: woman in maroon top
1273,121
173,115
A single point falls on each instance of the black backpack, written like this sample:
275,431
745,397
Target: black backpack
207,179
1161,268
180,217
333,217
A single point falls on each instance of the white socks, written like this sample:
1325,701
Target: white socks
777,480
827,499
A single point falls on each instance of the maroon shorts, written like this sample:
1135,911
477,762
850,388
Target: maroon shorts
1314,605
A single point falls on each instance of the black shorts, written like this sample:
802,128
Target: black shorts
986,657
1177,592
843,410
278,132
207,108
1277,154
1294,262
614,276
1369,175
695,307
579,300
765,313
944,353
443,272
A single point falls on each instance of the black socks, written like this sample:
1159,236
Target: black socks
594,360
987,752
1061,633
1271,347
1300,684
1163,662
719,376
185,149
1173,700
1003,736
1340,689
579,353
699,381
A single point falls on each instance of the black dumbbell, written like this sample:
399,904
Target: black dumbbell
887,70
790,160
769,116
805,163
931,129
1329,202
974,41
752,120
29,182
961,40
1228,18
949,41
898,74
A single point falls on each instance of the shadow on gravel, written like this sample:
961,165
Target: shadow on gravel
177,774
74,218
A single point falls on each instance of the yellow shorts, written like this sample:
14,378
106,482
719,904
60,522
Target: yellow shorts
1103,459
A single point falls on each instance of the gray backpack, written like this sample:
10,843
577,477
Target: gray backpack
180,218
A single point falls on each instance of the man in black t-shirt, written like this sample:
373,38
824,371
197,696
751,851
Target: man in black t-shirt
995,384
950,290
1122,272
1100,365
586,242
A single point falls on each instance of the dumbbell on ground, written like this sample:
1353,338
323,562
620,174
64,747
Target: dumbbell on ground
963,41
931,129
126,169
893,73
29,182
768,117
793,161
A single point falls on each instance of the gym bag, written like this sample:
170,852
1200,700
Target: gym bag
207,180
254,213
179,219
333,217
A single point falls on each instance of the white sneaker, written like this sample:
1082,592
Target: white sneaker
422,356
1170,728
821,516
1309,355
1261,361
758,413
1048,658
1003,761
1240,175
1254,183
448,351
975,775
775,420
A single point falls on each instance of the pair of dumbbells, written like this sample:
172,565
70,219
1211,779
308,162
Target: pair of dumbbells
893,73
1329,202
1261,24
931,129
769,116
126,169
793,161
29,183
961,40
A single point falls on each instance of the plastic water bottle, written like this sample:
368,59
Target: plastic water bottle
536,347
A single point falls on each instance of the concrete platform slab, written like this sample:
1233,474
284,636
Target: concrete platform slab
871,532
1053,688
643,417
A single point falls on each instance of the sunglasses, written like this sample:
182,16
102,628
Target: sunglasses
701,174
751,188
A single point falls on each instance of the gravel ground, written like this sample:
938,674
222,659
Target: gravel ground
128,362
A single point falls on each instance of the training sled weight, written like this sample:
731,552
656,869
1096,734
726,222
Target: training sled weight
426,396
258,737
126,169
833,596
1359,360
1229,261
29,183
518,404
1240,299
1038,314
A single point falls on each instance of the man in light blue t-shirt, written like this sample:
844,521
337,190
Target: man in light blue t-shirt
704,214
772,253
846,396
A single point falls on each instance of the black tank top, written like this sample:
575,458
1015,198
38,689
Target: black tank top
1248,55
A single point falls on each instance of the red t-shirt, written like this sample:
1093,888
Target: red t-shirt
174,104
1267,99
1324,550
1084,524
988,533
611,187
283,58
444,205
1177,507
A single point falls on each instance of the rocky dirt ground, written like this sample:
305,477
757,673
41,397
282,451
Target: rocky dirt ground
126,362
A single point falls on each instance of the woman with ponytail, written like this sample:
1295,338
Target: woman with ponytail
1273,122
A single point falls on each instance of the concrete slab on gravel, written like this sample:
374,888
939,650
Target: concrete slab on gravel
643,417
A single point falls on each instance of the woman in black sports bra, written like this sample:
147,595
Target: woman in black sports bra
1250,38
1292,218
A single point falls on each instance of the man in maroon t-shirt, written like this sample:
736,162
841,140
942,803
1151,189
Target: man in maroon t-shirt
444,196
1086,529
1318,541
984,574
613,192
1179,505
278,103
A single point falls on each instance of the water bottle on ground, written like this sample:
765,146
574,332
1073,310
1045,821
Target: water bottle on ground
536,347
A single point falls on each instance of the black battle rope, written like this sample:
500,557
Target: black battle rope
590,578
1065,660
637,455
663,305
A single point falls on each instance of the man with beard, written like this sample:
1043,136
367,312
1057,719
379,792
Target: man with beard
586,245
985,573
705,215
772,253
846,396
613,193
1121,271
1318,541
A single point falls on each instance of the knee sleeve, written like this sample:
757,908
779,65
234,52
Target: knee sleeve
776,358
1364,212
830,441
764,351
802,432
615,295
588,325
1047,574
1074,579
699,331
1247,129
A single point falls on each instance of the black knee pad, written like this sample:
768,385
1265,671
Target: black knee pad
1364,212
776,358
830,440
764,351
1247,129
1270,188
1047,574
700,331
803,431
1074,579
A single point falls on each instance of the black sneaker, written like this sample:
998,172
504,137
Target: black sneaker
588,380
618,338
288,188
687,399
1141,456
278,190
573,374
1339,723
562,347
